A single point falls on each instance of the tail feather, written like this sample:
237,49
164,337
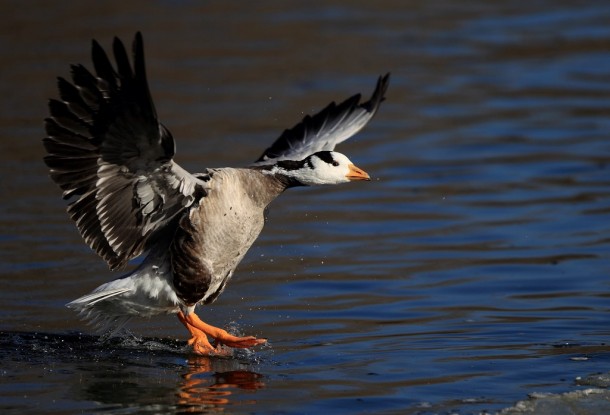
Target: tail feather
106,324
95,297
144,293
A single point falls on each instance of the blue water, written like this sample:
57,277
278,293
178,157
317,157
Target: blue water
471,272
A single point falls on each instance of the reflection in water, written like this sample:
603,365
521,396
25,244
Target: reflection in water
148,374
198,392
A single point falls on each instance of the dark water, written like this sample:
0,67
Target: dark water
472,271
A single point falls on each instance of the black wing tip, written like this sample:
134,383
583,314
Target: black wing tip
138,36
137,48
95,46
383,82
378,96
138,56
138,39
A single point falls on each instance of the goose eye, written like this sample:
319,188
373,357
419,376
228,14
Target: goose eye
335,163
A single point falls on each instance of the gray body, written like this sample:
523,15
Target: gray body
211,239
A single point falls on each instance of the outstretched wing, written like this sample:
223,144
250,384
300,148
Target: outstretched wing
324,130
107,150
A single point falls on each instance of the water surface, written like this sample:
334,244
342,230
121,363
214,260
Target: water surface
471,272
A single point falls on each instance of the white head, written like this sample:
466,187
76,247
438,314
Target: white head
323,167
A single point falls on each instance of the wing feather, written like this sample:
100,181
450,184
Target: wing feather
324,130
108,152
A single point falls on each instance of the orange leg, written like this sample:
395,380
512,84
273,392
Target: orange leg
198,339
200,330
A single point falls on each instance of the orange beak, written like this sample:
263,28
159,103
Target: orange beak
357,174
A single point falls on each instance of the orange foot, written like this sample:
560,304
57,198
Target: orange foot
200,330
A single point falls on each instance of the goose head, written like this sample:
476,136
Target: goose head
323,167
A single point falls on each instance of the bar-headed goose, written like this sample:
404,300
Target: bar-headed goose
110,154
